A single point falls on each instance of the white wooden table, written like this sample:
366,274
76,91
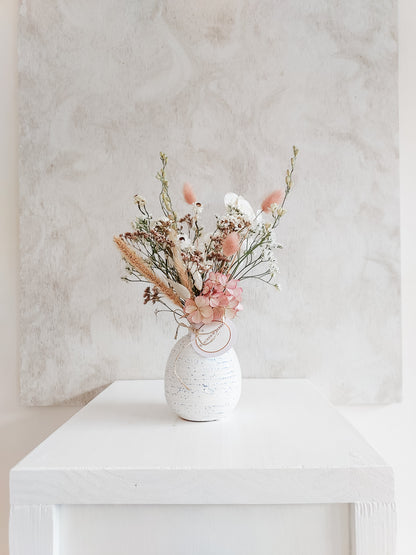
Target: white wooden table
285,474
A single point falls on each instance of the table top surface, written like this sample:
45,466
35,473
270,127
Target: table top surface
278,424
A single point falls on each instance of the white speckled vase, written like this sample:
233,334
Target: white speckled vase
198,388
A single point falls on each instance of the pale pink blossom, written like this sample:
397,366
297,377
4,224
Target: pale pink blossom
274,198
233,307
215,283
218,278
231,244
198,310
223,295
188,193
229,311
219,299
219,313
233,289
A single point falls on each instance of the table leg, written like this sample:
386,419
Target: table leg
373,528
33,530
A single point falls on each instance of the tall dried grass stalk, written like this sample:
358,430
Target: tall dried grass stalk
144,269
179,264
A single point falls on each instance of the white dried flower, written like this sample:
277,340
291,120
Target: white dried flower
232,200
198,207
140,201
179,289
184,242
193,269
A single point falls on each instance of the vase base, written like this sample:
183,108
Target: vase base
213,419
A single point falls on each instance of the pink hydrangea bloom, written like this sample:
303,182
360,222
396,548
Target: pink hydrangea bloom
219,300
233,307
233,289
211,286
223,295
215,283
229,310
198,310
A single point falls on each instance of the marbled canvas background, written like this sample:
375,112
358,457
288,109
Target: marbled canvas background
225,88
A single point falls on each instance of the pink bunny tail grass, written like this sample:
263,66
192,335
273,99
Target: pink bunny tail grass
188,194
231,244
274,198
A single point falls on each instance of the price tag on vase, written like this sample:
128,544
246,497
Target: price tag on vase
214,339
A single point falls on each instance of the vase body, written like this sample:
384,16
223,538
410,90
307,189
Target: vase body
198,388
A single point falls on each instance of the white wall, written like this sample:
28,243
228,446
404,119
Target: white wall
96,127
20,428
391,429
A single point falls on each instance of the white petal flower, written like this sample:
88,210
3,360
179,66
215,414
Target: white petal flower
193,268
184,241
232,200
198,207
179,289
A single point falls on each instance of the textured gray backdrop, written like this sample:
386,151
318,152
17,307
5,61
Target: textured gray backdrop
225,88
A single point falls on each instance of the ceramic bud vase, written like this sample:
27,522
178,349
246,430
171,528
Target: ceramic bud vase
198,388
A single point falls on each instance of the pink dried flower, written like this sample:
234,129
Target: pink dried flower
188,193
233,307
215,283
223,295
231,244
274,198
219,300
233,290
219,313
229,311
198,310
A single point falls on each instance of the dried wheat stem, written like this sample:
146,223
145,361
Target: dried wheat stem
144,269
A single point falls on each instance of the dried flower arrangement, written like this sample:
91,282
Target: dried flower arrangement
194,275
